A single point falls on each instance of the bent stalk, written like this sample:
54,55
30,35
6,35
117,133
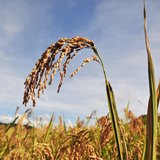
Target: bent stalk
46,66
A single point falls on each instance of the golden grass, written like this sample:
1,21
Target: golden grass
81,142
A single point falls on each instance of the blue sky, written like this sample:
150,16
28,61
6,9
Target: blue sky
27,28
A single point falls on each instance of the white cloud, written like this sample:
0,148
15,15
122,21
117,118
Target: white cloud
6,118
39,120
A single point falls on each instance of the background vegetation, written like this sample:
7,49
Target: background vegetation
79,142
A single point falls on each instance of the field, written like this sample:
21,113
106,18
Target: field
131,138
80,142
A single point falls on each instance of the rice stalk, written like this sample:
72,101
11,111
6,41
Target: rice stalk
47,66
112,109
158,94
150,153
158,99
11,124
49,128
26,114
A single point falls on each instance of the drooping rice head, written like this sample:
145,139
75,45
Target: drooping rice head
51,62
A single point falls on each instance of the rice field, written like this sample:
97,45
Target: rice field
79,142
110,138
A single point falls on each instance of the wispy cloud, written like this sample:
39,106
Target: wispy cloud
80,96
12,21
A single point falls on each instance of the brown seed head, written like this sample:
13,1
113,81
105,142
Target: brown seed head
51,62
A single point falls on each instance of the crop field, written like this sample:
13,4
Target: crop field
109,138
79,142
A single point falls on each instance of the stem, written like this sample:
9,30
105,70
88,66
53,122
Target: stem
112,109
152,105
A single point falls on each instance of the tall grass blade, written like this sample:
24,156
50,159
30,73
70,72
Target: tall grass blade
12,124
158,99
49,129
114,119
112,109
126,111
150,153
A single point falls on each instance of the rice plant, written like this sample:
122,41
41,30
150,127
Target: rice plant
47,66
151,138
110,138
58,141
56,59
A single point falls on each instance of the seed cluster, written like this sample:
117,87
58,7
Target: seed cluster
49,64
